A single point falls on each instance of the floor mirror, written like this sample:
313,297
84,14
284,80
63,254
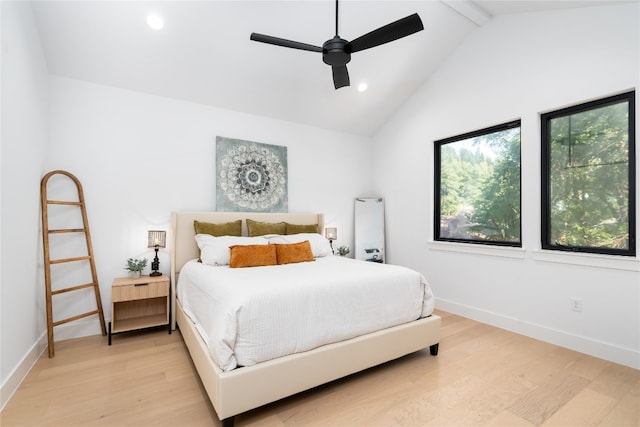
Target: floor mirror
369,229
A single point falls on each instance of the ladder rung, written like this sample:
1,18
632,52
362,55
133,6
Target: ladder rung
63,202
78,258
67,230
73,288
79,316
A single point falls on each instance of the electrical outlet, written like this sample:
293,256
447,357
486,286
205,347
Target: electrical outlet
576,304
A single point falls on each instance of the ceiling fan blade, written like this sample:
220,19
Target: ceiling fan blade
284,42
390,32
340,76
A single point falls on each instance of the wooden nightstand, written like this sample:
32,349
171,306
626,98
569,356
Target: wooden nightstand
139,303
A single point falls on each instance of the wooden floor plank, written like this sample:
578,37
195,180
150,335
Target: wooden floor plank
587,408
483,376
507,419
627,412
537,406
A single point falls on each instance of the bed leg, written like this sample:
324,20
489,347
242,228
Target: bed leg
228,422
433,349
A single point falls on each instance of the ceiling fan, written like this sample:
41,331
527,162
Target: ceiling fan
337,51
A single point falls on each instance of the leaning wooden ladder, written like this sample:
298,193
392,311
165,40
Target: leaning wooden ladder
45,202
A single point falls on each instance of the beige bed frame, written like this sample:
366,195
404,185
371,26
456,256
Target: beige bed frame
243,389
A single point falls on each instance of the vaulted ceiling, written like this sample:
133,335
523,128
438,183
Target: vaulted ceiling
203,54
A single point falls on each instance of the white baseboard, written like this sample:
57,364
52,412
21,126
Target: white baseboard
602,350
76,329
14,380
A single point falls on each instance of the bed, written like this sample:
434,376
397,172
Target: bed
234,391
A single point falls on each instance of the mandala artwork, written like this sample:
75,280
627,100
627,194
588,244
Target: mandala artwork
250,176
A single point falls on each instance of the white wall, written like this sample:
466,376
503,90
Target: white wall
139,157
25,119
516,67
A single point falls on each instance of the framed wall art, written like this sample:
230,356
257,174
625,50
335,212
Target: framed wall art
250,176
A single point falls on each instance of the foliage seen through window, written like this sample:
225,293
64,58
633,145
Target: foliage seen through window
478,186
588,177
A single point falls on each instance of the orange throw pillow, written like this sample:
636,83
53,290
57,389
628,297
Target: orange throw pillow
252,255
294,252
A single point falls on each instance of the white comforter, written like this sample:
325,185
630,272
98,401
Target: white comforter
251,315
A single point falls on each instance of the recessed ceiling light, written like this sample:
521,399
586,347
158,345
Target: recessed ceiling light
362,87
155,21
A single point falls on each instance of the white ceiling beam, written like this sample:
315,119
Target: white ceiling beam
469,10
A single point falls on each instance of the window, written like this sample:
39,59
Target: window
588,177
477,187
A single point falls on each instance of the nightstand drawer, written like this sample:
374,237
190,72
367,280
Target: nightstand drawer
139,291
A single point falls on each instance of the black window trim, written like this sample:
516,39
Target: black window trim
546,181
437,184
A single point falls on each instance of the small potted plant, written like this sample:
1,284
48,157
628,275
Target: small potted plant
135,266
343,250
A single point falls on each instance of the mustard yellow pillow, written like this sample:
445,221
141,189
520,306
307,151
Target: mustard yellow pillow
233,228
301,228
257,228
252,255
293,252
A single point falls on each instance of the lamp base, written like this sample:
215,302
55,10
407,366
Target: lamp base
155,265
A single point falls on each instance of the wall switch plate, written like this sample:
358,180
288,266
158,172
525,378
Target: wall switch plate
576,304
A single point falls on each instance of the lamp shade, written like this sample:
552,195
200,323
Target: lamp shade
157,238
331,233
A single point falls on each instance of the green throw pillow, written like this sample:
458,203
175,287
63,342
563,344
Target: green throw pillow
257,228
301,228
233,228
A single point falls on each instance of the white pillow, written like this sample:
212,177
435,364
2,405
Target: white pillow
215,250
319,245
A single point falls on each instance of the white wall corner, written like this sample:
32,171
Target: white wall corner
623,356
469,10
18,375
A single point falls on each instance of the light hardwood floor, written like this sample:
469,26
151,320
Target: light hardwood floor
483,376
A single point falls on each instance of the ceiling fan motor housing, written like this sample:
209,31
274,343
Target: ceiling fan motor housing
334,52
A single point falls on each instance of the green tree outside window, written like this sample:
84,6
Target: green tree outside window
588,181
478,186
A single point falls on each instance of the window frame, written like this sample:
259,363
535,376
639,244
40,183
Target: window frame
545,130
438,184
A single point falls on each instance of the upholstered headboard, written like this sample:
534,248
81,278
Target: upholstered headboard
182,238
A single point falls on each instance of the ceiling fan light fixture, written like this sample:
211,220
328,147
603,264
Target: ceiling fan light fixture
155,22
